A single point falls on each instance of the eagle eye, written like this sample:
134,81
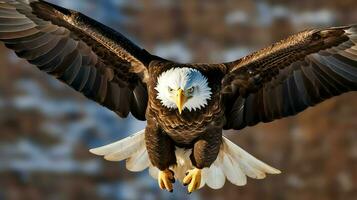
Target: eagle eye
190,90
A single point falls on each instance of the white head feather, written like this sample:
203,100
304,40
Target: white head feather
185,79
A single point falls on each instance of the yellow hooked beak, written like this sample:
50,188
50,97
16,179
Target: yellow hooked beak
180,99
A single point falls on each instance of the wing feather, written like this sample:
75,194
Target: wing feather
290,76
91,58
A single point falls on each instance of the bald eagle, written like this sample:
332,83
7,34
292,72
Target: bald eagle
186,106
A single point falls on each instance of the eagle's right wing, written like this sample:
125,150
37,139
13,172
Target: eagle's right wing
290,76
91,58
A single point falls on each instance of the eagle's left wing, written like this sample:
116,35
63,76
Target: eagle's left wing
290,76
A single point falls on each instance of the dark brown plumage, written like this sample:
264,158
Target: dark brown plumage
188,128
290,76
90,57
103,65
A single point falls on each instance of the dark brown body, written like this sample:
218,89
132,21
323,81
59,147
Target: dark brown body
200,130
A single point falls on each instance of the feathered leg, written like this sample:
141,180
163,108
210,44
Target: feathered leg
205,152
161,151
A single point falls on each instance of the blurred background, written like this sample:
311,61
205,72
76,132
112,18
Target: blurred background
46,128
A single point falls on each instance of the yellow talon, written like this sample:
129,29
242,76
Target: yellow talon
165,180
193,179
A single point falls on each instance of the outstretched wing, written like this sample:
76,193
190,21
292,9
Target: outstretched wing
291,75
88,56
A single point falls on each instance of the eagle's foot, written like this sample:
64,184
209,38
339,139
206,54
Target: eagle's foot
192,179
165,180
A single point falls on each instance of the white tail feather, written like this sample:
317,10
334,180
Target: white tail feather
139,161
132,149
123,146
232,171
232,162
214,176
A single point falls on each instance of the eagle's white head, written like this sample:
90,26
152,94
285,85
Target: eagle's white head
183,88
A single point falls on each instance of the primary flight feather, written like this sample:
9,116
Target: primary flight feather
186,106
